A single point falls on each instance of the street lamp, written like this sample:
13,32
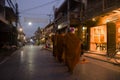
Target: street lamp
29,23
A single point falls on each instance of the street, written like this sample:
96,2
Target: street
36,63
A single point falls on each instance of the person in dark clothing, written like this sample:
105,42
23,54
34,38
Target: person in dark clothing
54,40
82,52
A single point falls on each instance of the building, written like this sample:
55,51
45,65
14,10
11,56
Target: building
97,22
8,21
48,32
102,26
39,36
21,37
67,15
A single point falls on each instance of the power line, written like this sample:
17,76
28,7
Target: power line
34,14
38,6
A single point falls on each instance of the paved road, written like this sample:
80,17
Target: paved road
35,63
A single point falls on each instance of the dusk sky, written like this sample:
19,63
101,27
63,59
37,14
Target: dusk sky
35,11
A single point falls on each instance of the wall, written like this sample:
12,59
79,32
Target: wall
111,37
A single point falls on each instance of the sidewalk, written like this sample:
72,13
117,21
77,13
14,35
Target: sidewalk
95,55
5,53
98,56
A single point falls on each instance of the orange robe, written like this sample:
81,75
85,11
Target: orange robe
72,50
54,39
60,47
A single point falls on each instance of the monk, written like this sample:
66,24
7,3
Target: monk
72,50
54,40
60,47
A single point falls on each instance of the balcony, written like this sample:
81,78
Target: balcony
100,8
10,14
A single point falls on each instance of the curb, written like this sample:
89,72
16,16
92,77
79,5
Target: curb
100,59
7,57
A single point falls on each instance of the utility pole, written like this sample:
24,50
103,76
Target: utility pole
50,17
54,21
16,14
68,14
16,24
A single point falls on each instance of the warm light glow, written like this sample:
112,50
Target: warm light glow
93,19
24,38
50,35
98,36
107,20
84,28
43,39
20,29
116,11
76,29
59,26
30,23
118,52
118,30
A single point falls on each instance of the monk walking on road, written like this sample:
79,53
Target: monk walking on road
72,49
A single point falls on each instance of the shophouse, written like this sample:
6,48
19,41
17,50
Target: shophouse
21,37
102,20
8,18
67,15
97,22
48,32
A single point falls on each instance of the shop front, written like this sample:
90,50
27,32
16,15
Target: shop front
98,38
118,34
105,36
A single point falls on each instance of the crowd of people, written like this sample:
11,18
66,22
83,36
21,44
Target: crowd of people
67,49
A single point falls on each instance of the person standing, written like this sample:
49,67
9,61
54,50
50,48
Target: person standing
82,52
54,40
60,47
72,49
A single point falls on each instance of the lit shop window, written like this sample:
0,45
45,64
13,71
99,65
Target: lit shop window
98,34
98,38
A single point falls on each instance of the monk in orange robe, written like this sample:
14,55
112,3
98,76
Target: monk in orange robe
72,50
54,39
60,47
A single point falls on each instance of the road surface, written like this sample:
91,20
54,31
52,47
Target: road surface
36,63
